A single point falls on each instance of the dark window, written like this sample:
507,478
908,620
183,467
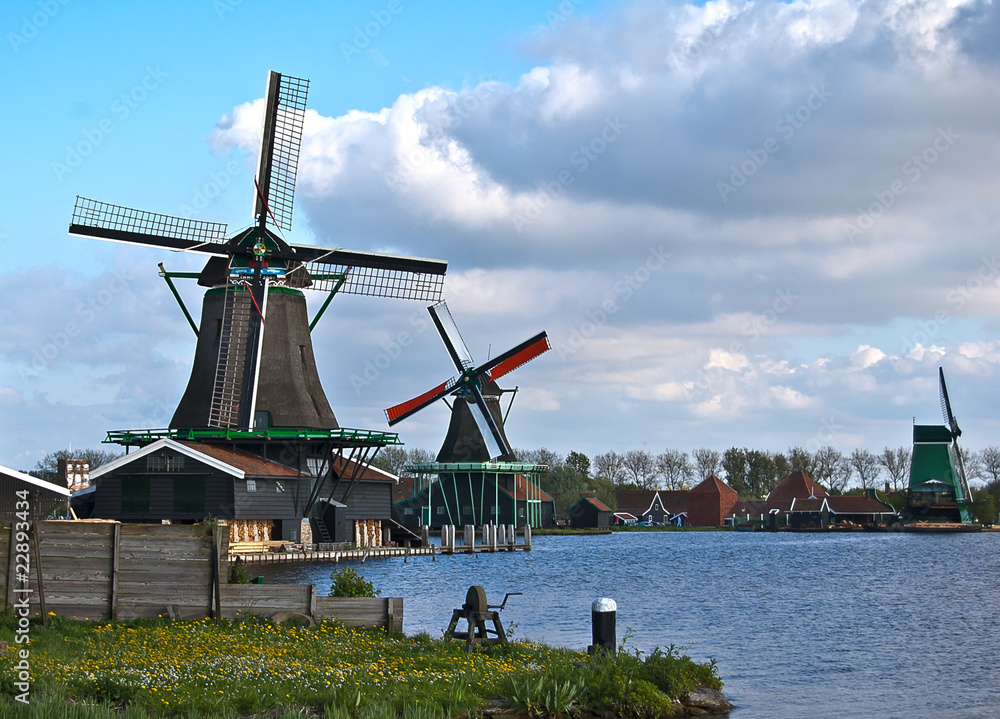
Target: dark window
262,420
189,494
135,494
164,462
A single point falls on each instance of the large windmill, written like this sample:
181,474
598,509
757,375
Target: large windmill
254,366
938,487
476,432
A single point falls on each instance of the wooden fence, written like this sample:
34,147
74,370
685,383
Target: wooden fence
108,570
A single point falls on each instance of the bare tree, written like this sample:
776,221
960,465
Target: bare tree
391,459
674,467
542,455
896,463
989,462
416,455
610,466
706,462
831,469
580,462
47,468
640,468
803,460
866,466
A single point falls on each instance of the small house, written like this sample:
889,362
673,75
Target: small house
589,512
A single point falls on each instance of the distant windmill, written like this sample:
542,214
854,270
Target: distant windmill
939,487
476,432
254,366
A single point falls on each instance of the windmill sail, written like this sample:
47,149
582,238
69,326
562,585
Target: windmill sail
104,221
485,430
284,117
235,360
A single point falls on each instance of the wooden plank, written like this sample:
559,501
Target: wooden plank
360,611
216,570
115,554
166,531
36,540
11,572
76,528
4,552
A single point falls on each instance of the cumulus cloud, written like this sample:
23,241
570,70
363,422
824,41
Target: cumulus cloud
741,224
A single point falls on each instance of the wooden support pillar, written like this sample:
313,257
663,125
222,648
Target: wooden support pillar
36,537
116,539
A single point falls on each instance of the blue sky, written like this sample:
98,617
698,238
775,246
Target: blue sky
742,224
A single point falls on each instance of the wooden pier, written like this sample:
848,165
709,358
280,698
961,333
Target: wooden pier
493,540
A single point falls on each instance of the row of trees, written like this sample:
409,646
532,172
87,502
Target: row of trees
752,473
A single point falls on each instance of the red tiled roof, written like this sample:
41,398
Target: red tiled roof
250,464
807,505
526,490
601,506
797,484
713,485
639,499
857,505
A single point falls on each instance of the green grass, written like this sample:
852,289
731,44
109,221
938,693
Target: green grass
249,667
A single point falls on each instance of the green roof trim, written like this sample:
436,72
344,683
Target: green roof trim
343,434
446,467
277,289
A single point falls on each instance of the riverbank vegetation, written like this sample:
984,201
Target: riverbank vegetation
250,667
752,473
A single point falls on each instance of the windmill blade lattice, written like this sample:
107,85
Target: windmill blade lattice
949,416
104,221
284,118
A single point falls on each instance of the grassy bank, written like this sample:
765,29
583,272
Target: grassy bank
154,668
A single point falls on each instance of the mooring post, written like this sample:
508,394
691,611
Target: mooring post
425,536
451,538
511,538
527,538
603,614
469,536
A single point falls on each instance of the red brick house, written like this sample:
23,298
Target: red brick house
709,503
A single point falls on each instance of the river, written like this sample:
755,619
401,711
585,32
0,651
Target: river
816,626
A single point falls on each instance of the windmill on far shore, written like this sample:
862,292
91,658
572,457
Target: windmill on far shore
254,366
938,490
